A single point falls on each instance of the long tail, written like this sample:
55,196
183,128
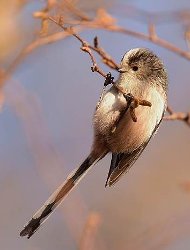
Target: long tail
56,198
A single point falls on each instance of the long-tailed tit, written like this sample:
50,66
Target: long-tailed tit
142,74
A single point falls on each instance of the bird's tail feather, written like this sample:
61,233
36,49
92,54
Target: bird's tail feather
56,198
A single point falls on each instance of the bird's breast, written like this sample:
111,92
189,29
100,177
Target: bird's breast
127,134
108,112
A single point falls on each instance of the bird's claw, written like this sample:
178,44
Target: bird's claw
133,103
109,80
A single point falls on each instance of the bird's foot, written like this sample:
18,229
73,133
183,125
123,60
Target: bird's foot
109,80
133,103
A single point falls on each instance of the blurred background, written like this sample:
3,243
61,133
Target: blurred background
46,131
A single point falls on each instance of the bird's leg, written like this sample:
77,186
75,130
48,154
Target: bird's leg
133,103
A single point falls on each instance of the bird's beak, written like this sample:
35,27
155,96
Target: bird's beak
122,70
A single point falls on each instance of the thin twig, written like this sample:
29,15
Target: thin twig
76,11
147,37
106,58
101,21
181,116
85,46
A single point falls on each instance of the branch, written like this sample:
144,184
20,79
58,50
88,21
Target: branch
106,58
84,46
181,116
100,23
103,21
154,39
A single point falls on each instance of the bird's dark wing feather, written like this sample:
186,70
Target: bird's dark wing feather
122,162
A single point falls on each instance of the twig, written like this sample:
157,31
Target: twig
133,104
148,37
85,46
181,116
102,21
76,11
98,23
106,58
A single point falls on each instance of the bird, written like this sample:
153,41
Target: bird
119,128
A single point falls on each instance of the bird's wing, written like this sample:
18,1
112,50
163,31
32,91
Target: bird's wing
122,162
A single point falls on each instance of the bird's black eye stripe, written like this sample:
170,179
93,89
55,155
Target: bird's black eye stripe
135,68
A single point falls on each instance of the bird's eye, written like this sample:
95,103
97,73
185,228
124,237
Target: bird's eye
135,68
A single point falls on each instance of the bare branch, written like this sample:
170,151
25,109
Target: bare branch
102,20
85,46
154,39
185,117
